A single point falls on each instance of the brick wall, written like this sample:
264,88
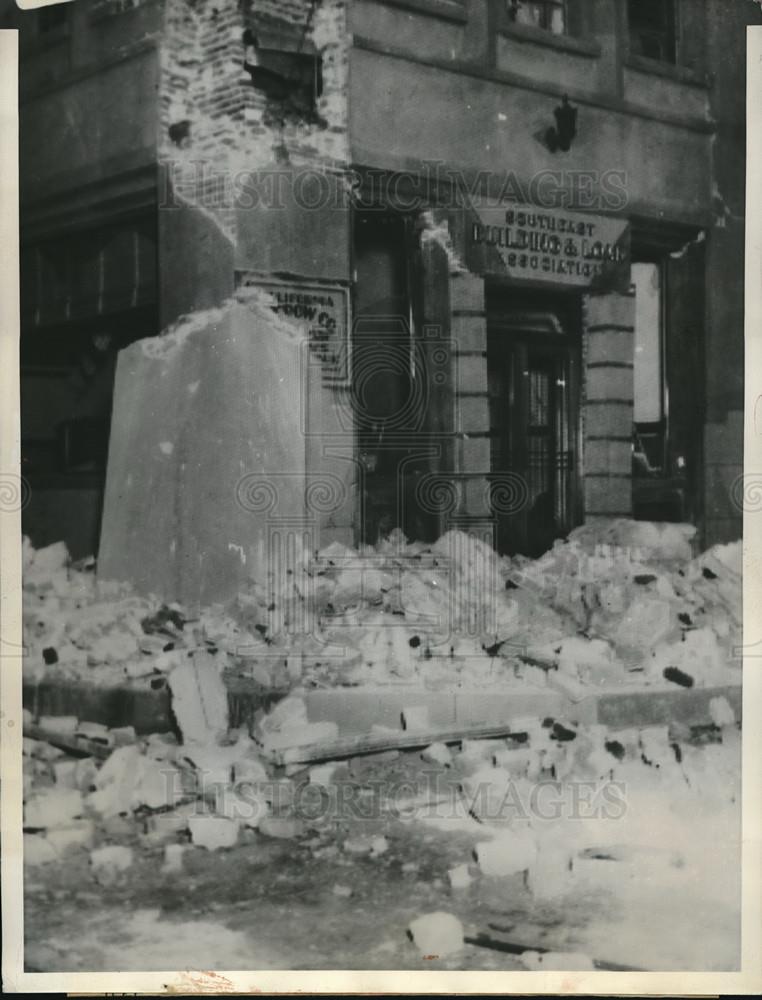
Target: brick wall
214,125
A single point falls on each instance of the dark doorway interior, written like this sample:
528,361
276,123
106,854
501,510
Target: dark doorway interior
389,378
533,363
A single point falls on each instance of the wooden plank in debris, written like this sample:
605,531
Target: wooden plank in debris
80,746
620,708
356,710
355,746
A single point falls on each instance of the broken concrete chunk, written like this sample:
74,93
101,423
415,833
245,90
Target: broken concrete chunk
721,712
460,877
213,832
509,853
109,862
173,858
53,808
123,735
282,827
378,846
80,833
65,772
85,773
62,725
437,753
244,805
437,934
199,699
38,850
322,774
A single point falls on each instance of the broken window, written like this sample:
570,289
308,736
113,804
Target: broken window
653,29
284,65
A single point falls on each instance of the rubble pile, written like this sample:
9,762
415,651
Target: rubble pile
618,603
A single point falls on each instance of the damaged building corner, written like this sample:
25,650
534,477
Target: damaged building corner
383,558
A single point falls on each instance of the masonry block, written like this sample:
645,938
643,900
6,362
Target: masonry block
612,309
604,495
475,454
469,333
473,413
466,292
472,374
206,449
476,496
610,383
610,345
608,420
608,456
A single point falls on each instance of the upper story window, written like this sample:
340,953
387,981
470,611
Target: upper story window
653,29
550,15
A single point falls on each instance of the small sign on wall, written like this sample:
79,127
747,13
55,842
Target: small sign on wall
322,311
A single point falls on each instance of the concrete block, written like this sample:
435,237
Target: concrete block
53,808
460,877
79,834
282,827
437,753
168,389
110,862
437,935
199,699
213,832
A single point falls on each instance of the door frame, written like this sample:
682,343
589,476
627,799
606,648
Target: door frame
520,314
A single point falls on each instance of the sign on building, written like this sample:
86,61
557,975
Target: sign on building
322,311
549,246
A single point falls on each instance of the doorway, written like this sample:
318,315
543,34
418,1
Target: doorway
533,358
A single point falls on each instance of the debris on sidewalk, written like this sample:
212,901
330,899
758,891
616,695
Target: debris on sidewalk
437,935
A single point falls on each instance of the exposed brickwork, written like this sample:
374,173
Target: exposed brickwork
215,127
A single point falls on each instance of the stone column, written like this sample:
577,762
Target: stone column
608,399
